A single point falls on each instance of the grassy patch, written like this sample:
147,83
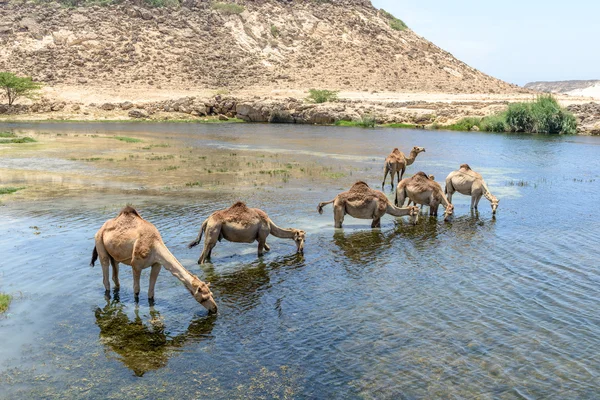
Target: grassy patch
399,125
395,23
228,8
9,190
275,31
127,139
366,121
5,300
10,137
7,134
321,95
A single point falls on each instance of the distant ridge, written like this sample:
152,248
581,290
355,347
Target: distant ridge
562,86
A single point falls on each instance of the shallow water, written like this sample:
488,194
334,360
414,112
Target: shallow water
479,307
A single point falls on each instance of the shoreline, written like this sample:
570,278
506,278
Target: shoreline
409,110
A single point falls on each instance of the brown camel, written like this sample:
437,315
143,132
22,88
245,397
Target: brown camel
422,190
242,224
468,182
397,162
365,203
131,240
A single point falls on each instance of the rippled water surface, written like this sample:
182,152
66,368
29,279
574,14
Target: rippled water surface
478,307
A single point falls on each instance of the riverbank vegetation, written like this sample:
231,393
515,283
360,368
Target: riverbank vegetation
10,137
5,300
544,115
321,96
14,87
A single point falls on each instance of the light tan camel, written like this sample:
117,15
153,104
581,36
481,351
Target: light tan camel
397,162
365,203
131,240
468,182
422,190
242,224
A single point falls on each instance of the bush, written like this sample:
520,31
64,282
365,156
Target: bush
367,121
321,96
493,123
464,124
395,23
15,87
274,31
544,115
228,8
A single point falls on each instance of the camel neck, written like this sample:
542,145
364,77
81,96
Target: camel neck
411,158
397,212
486,193
173,265
280,232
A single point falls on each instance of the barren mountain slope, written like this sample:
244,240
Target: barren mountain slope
343,44
589,88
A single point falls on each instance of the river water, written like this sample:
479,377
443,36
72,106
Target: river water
478,307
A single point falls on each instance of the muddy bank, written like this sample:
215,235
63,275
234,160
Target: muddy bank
287,110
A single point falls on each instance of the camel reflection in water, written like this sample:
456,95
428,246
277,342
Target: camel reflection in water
145,345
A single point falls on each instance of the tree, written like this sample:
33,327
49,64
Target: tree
15,87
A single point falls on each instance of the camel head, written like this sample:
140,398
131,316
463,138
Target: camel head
299,236
431,178
449,211
414,214
418,150
494,202
203,295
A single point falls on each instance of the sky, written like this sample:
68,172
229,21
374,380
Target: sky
518,41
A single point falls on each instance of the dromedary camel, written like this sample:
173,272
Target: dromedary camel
423,190
397,162
242,224
131,240
468,182
365,203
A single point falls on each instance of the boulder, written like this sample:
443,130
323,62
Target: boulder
127,105
474,128
136,113
223,117
108,106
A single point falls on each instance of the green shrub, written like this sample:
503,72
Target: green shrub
395,23
15,87
464,124
321,96
544,115
228,8
162,3
494,123
367,121
275,31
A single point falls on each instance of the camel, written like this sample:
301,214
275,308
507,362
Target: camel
468,182
422,190
397,162
241,224
131,240
365,203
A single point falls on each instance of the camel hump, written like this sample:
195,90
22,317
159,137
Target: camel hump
465,166
129,210
396,150
239,205
422,174
360,185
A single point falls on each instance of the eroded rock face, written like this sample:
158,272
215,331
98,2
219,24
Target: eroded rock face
137,113
273,44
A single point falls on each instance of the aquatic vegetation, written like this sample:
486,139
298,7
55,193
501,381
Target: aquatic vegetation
366,121
127,139
399,125
10,190
5,300
10,137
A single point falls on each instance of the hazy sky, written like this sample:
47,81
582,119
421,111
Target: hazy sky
518,41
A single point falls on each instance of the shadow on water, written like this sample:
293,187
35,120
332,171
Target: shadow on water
365,245
141,345
243,287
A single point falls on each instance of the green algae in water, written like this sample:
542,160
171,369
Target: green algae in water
5,300
9,190
127,139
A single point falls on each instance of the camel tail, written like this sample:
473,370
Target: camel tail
196,241
94,257
323,204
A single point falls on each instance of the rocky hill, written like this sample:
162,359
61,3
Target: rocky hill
289,44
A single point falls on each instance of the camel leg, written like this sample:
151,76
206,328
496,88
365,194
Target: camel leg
376,223
210,241
402,173
392,180
153,276
449,195
115,270
338,216
386,171
137,273
104,261
477,201
472,202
